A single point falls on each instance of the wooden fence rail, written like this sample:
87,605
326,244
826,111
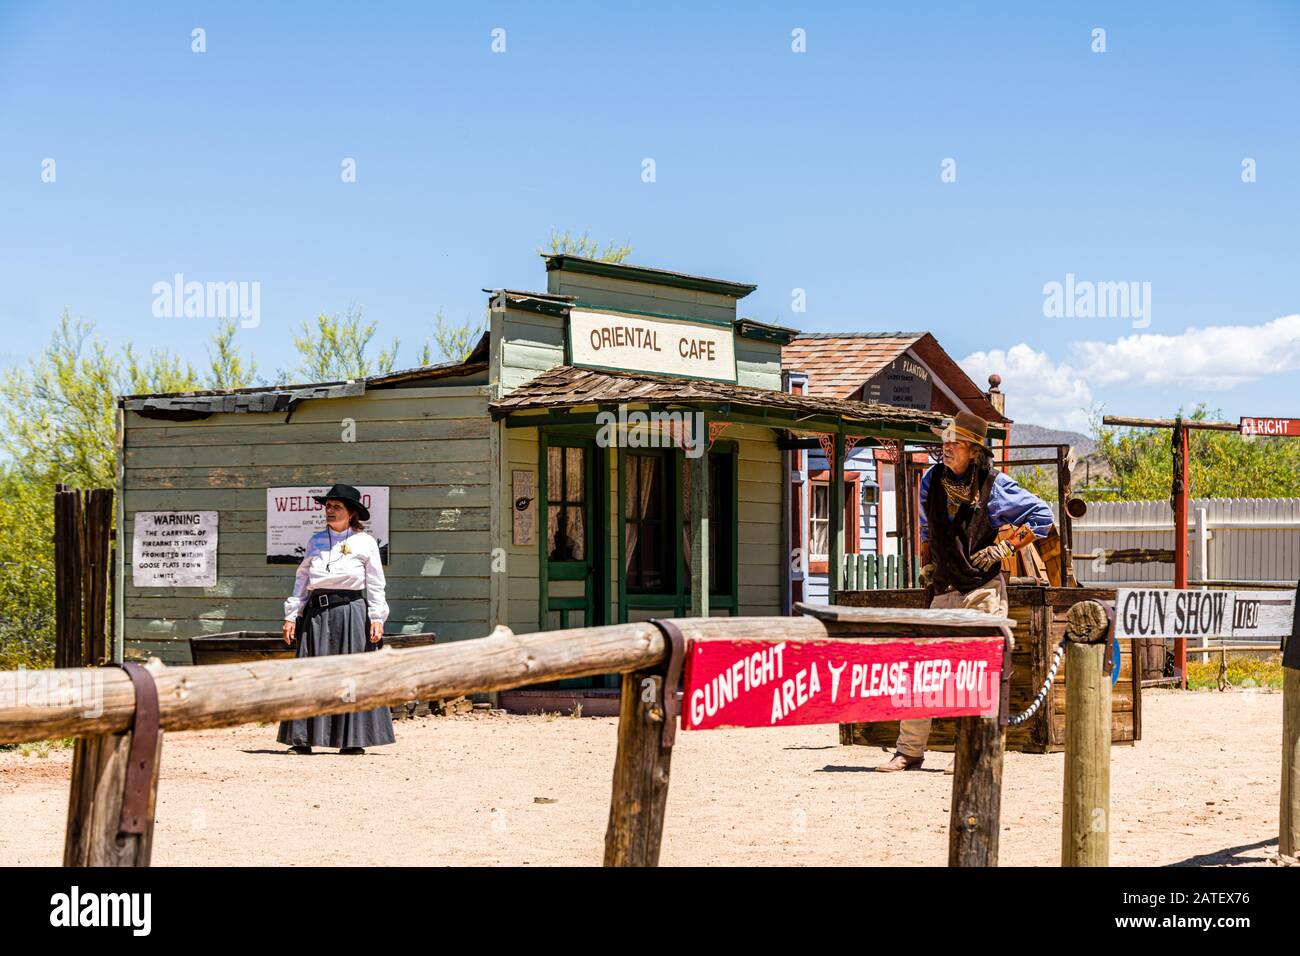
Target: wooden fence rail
114,779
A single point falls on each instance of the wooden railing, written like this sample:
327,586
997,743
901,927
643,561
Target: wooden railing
875,572
98,706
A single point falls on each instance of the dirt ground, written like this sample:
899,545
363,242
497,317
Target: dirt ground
1201,788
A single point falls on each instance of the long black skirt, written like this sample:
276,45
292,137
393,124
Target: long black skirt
339,629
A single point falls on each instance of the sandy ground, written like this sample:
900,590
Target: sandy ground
1201,788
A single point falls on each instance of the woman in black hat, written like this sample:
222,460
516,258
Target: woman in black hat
339,591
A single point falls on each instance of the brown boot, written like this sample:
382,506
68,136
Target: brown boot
901,761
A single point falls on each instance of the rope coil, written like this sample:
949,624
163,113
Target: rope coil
1016,720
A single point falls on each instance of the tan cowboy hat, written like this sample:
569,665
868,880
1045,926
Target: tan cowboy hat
964,427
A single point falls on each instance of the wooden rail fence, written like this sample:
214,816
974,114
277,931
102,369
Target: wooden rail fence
114,776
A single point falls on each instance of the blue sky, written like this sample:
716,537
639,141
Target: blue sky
818,171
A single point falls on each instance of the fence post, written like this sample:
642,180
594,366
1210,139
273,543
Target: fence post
69,554
114,791
975,820
850,573
647,702
1289,829
1085,817
1288,843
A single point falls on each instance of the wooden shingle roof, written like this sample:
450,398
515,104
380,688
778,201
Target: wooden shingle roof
567,386
838,364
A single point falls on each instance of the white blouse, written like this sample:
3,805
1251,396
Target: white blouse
342,560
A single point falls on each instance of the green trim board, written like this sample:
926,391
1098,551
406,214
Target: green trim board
588,306
567,262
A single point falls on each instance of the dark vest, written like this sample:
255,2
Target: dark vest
952,542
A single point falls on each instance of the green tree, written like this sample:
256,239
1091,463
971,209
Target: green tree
451,343
583,245
226,365
60,412
59,415
338,348
26,571
1221,464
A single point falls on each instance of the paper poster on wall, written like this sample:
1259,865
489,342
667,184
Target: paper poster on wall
293,516
174,549
524,507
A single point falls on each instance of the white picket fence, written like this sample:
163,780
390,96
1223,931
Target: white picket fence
1230,539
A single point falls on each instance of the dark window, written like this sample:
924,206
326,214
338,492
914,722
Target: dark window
721,516
566,534
644,517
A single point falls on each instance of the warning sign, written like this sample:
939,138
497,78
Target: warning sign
174,549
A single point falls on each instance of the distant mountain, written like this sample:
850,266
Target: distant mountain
1089,467
1025,434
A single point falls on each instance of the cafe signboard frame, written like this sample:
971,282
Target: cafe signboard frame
624,341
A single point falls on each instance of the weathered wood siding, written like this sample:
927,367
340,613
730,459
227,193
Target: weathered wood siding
611,293
428,445
758,484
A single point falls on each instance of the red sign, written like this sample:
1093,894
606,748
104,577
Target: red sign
767,684
1278,427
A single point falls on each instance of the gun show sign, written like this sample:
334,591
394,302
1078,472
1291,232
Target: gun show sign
1242,615
174,549
767,684
1271,427
639,343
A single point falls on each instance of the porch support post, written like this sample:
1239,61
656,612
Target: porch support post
699,467
835,569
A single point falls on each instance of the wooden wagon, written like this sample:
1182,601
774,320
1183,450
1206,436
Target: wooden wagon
1039,613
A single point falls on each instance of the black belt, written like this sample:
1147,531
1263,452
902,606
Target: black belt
328,597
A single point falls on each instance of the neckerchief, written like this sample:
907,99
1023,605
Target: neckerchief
959,490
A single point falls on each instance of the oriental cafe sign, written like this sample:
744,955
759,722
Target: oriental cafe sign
615,341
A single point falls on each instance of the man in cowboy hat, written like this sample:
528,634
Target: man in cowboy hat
964,504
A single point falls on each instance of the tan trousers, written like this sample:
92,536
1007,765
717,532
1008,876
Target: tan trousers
991,599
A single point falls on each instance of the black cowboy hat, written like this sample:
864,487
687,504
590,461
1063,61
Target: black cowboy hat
349,496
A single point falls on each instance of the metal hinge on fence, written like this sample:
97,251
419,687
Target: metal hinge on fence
672,695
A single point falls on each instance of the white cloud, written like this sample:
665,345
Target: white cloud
1059,394
1215,357
1038,390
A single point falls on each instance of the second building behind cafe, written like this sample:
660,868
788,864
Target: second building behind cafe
523,486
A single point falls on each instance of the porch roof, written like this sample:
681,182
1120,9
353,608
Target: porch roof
567,387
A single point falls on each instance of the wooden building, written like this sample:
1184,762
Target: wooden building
521,486
902,369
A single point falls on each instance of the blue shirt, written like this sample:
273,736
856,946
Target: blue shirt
1008,504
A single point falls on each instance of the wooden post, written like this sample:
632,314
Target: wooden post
835,525
98,515
1288,843
636,807
68,575
1085,819
1065,522
1180,539
974,822
99,766
700,530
